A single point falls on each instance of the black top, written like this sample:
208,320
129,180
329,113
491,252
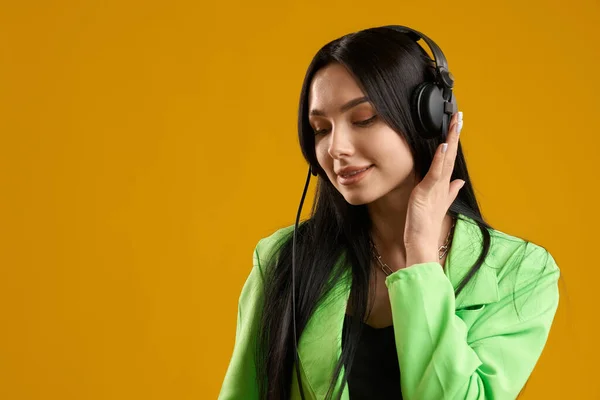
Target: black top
375,373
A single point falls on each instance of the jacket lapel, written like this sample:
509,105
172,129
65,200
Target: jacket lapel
320,345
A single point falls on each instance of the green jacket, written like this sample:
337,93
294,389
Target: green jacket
482,345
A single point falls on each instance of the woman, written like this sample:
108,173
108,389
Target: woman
402,290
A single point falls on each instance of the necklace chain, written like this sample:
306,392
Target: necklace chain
442,251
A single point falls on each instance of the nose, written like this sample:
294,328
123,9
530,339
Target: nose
340,144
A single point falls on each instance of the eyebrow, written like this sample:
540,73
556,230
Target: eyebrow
344,108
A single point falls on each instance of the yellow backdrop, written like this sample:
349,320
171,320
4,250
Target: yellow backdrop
146,146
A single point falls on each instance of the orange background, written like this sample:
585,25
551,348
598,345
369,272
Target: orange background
146,146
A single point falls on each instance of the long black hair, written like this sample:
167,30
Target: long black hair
387,65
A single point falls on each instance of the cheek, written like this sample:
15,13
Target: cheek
393,145
322,155
399,163
391,153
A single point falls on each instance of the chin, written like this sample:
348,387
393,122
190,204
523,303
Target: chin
359,199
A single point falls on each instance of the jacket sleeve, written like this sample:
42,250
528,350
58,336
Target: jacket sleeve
240,379
441,357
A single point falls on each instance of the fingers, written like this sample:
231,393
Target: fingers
455,187
436,168
452,140
443,159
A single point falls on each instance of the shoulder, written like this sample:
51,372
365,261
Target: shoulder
268,247
516,272
513,262
519,262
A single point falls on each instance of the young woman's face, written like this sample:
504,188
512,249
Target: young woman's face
362,156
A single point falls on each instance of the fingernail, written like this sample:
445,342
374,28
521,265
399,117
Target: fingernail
459,127
460,116
444,147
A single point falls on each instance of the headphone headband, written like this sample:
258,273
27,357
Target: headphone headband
441,65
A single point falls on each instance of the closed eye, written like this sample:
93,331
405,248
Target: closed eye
364,123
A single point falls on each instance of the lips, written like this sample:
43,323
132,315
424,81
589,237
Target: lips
351,176
351,171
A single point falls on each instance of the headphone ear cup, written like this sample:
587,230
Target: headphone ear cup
414,105
428,110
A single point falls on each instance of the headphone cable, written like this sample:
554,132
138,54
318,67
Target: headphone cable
297,357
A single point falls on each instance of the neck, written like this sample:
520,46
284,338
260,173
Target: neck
388,216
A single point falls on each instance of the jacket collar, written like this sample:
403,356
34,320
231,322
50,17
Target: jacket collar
319,347
466,247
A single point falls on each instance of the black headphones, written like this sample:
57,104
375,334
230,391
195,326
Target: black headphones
432,105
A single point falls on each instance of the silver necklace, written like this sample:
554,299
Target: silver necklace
442,251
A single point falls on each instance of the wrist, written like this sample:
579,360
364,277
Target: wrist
420,256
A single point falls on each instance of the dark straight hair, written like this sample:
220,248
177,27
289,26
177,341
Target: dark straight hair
388,66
